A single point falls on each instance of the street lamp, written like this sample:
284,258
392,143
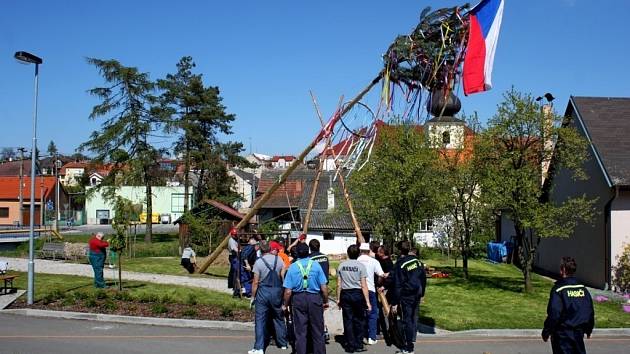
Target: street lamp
28,58
58,165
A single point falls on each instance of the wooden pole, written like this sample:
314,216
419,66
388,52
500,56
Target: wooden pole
311,199
263,199
346,195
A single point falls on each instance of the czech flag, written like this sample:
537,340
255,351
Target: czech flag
483,35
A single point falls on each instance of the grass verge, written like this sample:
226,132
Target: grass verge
73,293
493,298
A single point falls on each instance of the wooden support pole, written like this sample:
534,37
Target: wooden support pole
263,199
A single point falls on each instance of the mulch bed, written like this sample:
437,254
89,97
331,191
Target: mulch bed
133,308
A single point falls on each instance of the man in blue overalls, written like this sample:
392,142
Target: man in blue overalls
307,293
570,312
267,297
408,285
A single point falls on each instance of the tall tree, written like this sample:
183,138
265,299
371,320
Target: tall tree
461,169
398,188
196,112
127,104
521,140
52,148
7,153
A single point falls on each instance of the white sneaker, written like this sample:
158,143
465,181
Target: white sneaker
371,341
256,351
284,348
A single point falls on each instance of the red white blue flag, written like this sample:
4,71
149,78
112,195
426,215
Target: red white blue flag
485,22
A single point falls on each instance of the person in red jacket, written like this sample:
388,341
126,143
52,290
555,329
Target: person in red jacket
98,253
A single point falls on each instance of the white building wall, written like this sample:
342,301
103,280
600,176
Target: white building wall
456,131
619,225
339,245
166,200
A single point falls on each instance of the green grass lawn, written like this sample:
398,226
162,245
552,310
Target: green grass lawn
47,285
493,298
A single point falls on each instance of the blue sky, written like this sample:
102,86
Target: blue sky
266,56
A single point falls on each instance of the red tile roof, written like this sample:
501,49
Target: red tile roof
286,158
9,187
73,164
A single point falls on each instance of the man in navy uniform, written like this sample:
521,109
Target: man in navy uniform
570,312
305,290
354,299
409,281
319,257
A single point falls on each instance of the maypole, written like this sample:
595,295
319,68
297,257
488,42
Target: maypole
323,134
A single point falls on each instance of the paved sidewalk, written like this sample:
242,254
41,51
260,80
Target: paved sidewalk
58,267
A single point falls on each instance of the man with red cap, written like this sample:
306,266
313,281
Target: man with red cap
233,249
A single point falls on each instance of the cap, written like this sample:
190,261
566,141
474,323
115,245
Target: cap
273,245
233,231
302,237
364,247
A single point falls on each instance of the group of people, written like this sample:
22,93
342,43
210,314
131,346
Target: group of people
370,274
289,291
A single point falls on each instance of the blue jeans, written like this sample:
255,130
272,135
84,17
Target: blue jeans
372,317
269,307
97,260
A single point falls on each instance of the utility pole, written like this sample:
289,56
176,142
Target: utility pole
21,187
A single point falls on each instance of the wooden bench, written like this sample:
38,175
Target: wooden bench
53,250
8,284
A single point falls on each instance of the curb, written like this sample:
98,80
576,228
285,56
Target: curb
153,321
618,332
249,326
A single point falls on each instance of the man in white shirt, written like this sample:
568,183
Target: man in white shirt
374,270
189,259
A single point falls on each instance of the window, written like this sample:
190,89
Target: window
4,212
328,236
426,225
177,202
446,138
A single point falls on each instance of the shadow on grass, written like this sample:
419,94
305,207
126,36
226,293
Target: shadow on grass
426,325
480,282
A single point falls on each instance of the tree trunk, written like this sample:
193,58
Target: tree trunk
120,271
149,221
186,175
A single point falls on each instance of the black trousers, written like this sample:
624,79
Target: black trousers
186,263
353,308
568,341
409,313
308,322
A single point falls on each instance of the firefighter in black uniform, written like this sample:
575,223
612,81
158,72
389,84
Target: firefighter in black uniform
570,312
408,285
319,257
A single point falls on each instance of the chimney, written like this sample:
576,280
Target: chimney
331,193
548,145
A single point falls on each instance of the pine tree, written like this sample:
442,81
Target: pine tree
52,148
195,111
128,107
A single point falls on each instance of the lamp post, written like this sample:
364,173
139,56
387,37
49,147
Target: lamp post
57,216
28,58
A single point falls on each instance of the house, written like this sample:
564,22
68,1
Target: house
282,161
330,221
245,186
283,204
72,173
166,201
605,124
10,199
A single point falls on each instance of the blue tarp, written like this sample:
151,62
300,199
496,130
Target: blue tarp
497,250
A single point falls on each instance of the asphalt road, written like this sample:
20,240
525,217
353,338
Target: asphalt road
22,334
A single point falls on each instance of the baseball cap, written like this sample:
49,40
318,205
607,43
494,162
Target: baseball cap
364,247
273,245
